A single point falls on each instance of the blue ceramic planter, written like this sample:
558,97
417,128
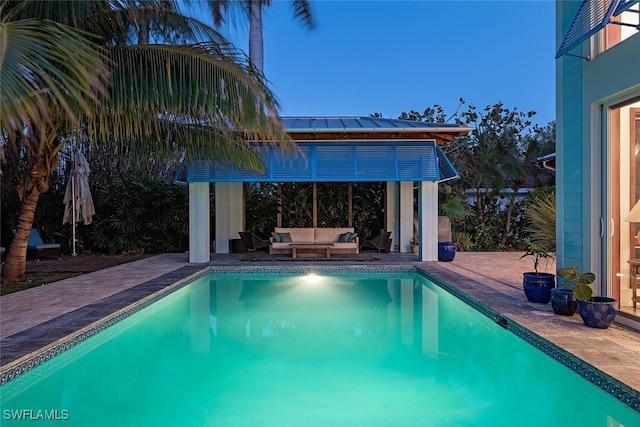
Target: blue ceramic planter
563,302
537,286
446,251
598,312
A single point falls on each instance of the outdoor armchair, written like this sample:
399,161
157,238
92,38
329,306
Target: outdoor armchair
37,248
381,243
253,242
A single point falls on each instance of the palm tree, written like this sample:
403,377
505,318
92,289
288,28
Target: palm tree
253,8
70,73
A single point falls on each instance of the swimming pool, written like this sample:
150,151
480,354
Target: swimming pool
325,349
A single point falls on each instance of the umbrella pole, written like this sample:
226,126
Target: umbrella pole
73,202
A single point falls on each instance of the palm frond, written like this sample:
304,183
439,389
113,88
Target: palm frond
302,11
541,219
236,11
191,96
47,68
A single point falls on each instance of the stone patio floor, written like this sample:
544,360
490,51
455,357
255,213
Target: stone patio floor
36,317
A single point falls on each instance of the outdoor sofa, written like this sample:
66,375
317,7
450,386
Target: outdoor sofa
343,243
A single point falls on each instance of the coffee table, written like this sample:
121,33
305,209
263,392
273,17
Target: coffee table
311,248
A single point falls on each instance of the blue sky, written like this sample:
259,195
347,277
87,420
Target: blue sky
389,57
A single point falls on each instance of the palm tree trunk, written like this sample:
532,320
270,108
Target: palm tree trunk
479,208
31,187
15,264
143,33
256,45
509,219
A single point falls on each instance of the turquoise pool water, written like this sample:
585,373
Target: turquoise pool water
307,350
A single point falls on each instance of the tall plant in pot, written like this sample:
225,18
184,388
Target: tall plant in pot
595,311
537,285
540,217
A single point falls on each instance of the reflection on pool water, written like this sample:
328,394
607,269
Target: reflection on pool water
307,350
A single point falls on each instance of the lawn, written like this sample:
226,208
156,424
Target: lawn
31,280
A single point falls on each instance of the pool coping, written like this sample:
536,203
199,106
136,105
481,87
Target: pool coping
90,320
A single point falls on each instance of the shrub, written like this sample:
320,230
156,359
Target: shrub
140,214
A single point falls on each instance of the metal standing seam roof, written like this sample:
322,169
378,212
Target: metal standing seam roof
365,124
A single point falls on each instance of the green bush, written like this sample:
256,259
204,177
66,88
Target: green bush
261,201
140,214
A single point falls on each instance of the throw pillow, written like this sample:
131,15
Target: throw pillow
352,237
276,237
285,237
344,237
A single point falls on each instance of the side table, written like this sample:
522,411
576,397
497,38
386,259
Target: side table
635,270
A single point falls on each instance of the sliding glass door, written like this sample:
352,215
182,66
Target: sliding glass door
624,191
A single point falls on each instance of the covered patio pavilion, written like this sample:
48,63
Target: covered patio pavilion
334,149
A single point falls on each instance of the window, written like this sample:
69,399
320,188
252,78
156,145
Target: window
625,23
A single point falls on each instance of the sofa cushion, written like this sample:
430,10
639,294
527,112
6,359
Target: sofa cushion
343,237
285,237
298,235
276,237
352,237
330,235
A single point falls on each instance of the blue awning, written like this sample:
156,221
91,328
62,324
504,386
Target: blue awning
592,16
624,5
337,162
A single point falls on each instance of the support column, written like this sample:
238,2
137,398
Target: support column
279,214
428,220
223,211
199,229
393,213
406,216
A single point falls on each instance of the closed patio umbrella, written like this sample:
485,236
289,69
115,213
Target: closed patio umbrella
77,196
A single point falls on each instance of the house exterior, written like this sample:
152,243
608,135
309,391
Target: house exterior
598,140
399,153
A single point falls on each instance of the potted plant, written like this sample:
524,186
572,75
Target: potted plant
446,251
414,245
595,311
537,286
451,207
563,300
